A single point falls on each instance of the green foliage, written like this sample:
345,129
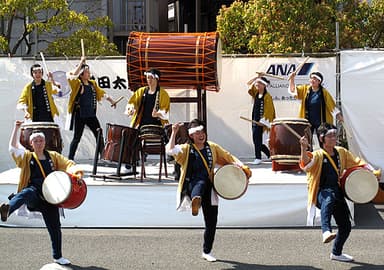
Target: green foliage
295,26
70,46
27,22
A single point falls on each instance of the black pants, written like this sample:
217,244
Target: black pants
93,124
257,136
210,213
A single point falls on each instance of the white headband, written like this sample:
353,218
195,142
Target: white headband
330,131
317,77
151,74
37,68
195,129
262,81
35,135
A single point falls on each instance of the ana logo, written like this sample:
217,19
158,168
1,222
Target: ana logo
286,69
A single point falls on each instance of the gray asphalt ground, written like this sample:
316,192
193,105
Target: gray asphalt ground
180,248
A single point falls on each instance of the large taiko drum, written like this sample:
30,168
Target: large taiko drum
113,146
53,140
359,184
230,182
285,146
185,60
64,190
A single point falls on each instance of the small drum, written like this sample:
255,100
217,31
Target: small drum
230,182
284,146
359,184
151,132
115,134
64,190
186,60
51,131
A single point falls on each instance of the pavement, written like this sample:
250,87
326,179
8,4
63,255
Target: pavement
290,248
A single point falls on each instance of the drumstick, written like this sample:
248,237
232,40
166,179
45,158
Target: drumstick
297,135
82,47
299,67
117,101
44,63
270,75
253,121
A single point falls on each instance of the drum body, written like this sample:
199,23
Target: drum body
64,190
284,146
185,60
115,134
53,140
230,182
359,184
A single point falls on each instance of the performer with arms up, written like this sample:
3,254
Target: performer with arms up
82,104
317,104
36,99
34,167
323,168
149,105
264,112
198,161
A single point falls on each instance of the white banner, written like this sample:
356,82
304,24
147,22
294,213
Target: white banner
360,72
362,95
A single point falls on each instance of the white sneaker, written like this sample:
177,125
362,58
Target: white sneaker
341,258
256,161
62,261
208,257
328,236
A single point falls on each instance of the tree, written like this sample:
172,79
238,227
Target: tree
39,22
296,26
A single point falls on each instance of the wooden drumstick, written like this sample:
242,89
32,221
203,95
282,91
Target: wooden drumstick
251,120
82,48
297,135
270,75
44,63
299,67
117,101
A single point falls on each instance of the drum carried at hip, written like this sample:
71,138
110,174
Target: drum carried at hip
64,190
53,140
359,184
230,182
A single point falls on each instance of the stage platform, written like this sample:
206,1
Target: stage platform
273,199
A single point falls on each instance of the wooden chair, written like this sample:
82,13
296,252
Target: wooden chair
152,141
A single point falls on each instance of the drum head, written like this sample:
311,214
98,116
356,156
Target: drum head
230,182
361,186
57,187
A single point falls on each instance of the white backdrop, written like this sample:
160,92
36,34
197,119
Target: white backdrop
362,96
224,108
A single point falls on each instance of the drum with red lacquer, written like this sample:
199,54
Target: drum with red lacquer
185,60
64,190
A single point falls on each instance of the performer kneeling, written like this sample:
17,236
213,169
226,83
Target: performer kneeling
323,168
34,167
197,162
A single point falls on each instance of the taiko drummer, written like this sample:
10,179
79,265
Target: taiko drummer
34,167
323,168
36,99
197,161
